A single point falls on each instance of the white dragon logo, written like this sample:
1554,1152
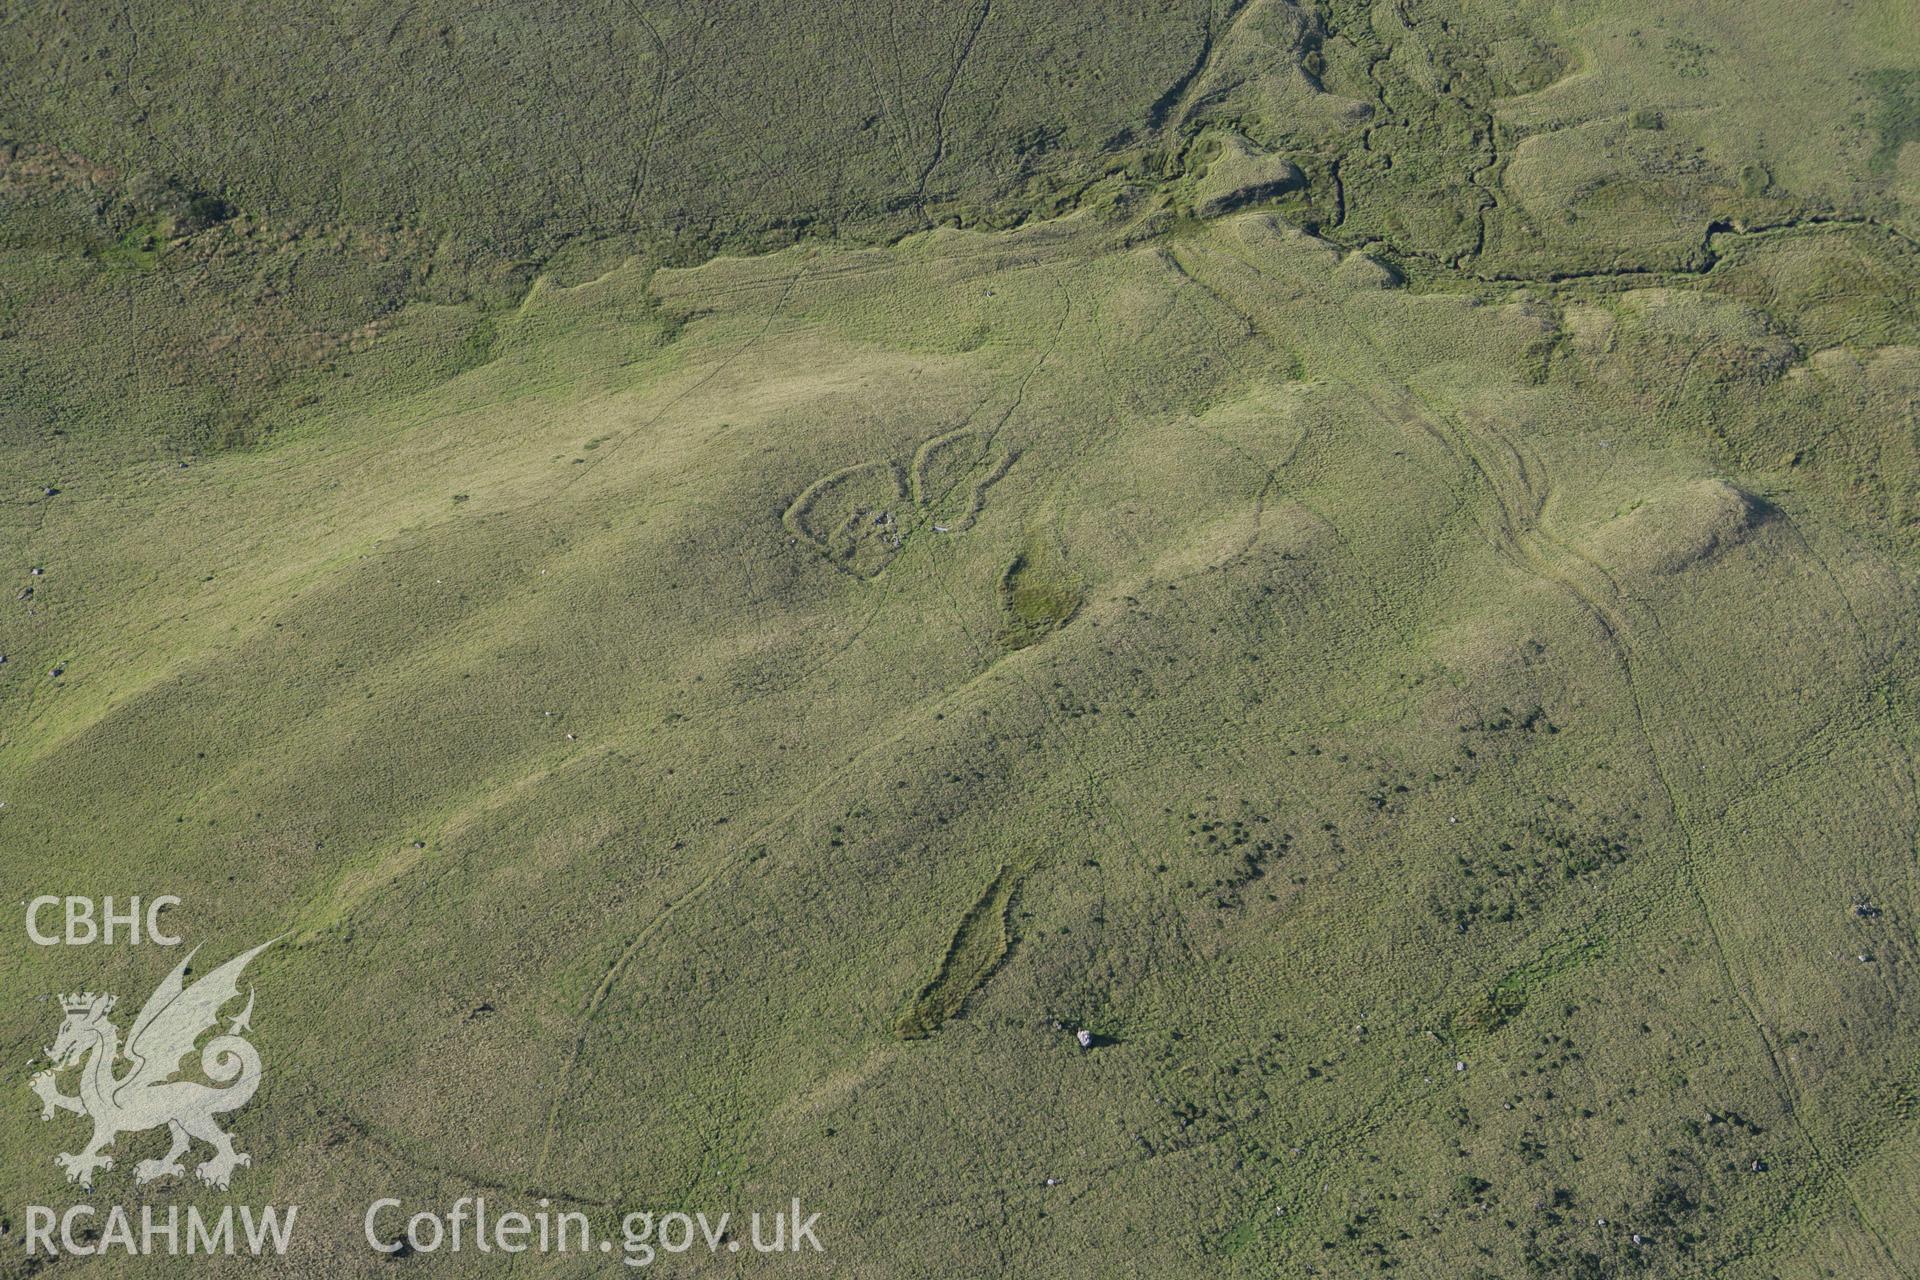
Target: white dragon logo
149,1094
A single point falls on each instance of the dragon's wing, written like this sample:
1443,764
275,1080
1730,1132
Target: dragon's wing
176,1016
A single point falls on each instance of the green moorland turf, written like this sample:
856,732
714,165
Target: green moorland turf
1372,567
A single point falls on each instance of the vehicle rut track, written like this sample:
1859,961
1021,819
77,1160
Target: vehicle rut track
1532,545
1514,504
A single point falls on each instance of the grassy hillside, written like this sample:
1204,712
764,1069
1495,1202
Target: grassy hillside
1376,575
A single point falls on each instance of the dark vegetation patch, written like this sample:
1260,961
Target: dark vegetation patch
1514,877
1038,595
1509,997
1895,118
1237,846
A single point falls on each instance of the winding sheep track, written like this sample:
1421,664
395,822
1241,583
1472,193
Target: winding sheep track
940,108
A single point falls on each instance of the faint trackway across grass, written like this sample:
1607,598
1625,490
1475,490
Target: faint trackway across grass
611,980
940,108
991,660
1099,807
407,1154
1390,1105
614,443
1096,798
597,1000
645,163
277,468
1525,540
896,123
612,977
42,506
1177,101
1399,623
1528,542
1269,470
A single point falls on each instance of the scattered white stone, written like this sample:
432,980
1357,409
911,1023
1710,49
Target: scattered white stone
1085,1038
1459,1066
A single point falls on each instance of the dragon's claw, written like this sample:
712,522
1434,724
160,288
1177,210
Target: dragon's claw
51,1099
80,1168
151,1170
218,1171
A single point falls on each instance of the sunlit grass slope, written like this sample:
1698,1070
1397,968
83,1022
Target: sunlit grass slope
720,747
